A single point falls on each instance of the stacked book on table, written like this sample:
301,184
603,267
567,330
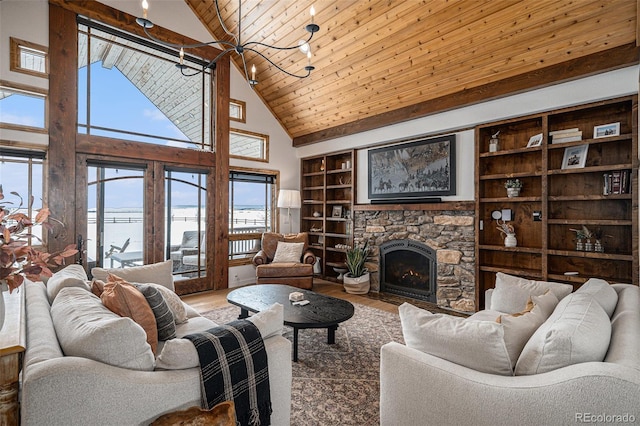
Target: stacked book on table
566,135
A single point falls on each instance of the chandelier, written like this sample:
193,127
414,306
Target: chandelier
236,45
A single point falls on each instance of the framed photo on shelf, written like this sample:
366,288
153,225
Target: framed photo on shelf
337,211
535,140
575,157
606,130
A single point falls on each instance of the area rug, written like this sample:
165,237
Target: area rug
337,384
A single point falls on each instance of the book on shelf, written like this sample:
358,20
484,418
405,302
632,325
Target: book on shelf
616,182
569,135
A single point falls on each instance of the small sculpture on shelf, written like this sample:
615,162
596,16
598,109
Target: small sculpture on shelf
513,187
598,236
583,239
494,143
509,232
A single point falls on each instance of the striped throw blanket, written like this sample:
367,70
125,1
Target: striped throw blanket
233,367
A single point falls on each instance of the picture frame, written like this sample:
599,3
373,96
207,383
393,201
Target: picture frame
336,212
606,130
421,168
575,157
535,140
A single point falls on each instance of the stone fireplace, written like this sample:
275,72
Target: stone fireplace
408,268
449,234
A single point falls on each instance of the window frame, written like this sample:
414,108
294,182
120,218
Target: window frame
275,212
29,91
242,107
265,139
15,47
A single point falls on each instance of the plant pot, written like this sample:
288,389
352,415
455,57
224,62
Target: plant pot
513,192
510,240
359,285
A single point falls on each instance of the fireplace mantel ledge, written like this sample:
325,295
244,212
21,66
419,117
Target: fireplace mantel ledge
452,205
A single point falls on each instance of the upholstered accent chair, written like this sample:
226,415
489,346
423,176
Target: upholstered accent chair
297,274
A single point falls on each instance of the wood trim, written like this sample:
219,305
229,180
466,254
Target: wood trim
14,62
243,109
257,135
220,197
447,205
63,39
116,18
608,60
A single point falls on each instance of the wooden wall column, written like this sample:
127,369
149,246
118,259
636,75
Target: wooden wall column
63,109
221,193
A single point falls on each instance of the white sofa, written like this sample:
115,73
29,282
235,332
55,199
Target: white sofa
418,388
72,390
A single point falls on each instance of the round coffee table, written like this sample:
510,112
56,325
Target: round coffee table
321,312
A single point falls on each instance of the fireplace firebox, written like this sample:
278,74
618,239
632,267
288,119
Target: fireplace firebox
408,268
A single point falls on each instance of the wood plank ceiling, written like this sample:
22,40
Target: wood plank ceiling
377,56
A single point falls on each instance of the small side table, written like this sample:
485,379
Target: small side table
12,347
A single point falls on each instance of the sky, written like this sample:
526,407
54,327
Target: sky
115,102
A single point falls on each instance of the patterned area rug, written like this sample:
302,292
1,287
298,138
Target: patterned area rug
337,384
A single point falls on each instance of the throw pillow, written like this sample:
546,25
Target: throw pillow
174,302
97,287
288,252
179,354
71,276
127,301
578,330
602,292
518,328
478,345
159,273
511,293
164,318
87,329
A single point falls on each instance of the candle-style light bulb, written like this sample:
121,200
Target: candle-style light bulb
181,56
145,8
253,72
312,12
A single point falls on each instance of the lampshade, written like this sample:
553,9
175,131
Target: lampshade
289,198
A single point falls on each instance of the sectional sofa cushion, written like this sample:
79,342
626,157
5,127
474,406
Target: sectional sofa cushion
164,318
71,276
87,329
478,345
578,330
178,354
602,292
173,301
512,293
518,328
159,273
125,300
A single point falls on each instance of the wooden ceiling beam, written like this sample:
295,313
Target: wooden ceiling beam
608,60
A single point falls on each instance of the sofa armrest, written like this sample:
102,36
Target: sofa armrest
189,251
459,395
260,258
308,257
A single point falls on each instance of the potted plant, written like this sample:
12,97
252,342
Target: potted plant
509,233
19,259
356,281
513,187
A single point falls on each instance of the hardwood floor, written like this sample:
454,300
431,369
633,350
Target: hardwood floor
209,300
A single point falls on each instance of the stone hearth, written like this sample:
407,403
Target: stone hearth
450,233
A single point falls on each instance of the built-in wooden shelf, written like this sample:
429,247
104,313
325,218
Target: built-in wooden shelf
448,205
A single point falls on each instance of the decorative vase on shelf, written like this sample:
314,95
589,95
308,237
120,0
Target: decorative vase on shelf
588,245
580,244
510,240
598,247
513,192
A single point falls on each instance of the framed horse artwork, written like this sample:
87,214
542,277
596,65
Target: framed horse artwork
416,169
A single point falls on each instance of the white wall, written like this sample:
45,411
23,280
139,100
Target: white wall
602,86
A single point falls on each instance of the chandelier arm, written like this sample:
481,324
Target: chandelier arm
258,43
220,55
196,72
281,69
224,27
187,46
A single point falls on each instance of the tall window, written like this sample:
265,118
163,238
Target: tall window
186,195
130,89
21,172
251,212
